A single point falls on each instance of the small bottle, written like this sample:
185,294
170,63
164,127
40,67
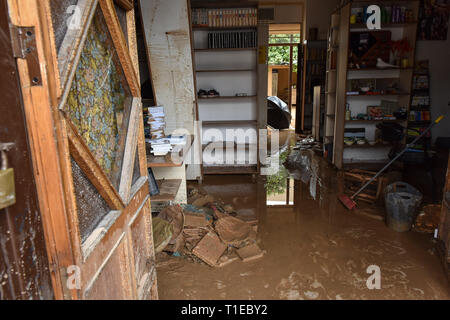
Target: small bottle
348,113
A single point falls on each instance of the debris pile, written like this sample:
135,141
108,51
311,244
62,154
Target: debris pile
427,220
206,230
356,178
308,143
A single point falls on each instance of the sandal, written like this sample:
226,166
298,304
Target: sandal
213,93
202,93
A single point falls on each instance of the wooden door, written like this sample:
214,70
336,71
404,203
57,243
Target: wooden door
102,240
22,276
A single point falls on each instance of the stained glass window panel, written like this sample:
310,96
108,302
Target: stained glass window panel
99,101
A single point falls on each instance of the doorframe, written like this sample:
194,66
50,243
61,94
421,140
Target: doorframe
291,46
46,142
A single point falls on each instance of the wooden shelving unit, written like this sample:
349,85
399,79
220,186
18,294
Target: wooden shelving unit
168,189
339,73
230,122
224,49
420,114
221,170
226,70
229,68
313,57
227,97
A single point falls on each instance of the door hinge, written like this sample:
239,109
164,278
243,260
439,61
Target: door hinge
24,47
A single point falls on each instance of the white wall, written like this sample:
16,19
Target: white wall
438,53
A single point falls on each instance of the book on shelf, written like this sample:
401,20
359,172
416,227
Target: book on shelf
232,39
222,18
419,116
420,100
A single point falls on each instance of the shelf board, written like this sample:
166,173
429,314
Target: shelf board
237,169
380,2
379,69
226,97
165,161
226,70
368,165
384,25
367,145
224,49
421,123
168,189
378,95
224,4
373,121
200,28
161,162
231,122
224,145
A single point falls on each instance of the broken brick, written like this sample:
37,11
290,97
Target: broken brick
210,249
195,220
250,253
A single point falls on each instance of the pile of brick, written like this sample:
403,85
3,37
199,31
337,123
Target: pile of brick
209,231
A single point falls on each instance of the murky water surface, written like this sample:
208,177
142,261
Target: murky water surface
315,248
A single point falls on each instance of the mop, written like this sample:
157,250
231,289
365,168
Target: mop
349,202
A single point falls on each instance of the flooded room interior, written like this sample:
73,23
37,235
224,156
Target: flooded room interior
220,150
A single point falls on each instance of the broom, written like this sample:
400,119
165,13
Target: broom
349,202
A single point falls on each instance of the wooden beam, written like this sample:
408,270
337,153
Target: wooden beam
126,177
316,113
120,44
84,158
73,43
341,86
132,42
125,4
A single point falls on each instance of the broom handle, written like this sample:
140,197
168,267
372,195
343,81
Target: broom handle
397,156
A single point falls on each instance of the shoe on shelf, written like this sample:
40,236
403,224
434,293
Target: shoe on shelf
213,93
202,93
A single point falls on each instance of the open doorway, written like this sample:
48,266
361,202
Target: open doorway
284,40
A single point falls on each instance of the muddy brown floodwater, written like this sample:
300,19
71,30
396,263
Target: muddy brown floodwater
315,249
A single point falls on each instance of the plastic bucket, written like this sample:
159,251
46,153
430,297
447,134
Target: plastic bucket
402,201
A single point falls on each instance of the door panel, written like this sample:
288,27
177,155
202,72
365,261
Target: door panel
95,103
143,258
113,281
103,114
99,102
92,208
24,265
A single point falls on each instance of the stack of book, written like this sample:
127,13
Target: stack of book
222,18
232,39
156,120
160,144
156,136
